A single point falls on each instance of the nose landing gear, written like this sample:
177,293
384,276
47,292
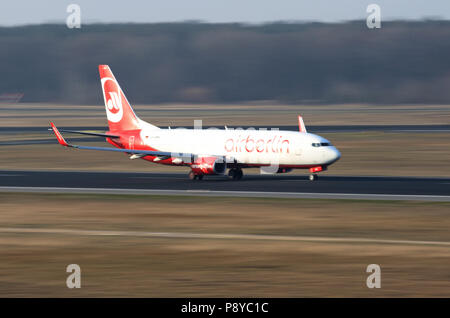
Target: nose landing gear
313,176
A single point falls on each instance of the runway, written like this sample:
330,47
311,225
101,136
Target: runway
280,186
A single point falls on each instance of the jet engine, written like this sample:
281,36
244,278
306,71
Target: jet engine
208,165
284,170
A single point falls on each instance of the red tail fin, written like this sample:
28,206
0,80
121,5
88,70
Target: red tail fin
119,112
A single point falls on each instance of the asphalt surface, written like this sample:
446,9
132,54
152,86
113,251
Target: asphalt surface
258,184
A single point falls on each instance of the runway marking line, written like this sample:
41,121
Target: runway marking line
181,235
222,193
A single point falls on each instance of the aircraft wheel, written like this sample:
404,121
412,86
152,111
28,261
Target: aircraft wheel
235,174
192,175
313,177
200,177
239,174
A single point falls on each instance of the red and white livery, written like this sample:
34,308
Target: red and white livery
206,151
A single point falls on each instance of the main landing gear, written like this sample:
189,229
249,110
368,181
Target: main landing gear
194,176
235,174
313,177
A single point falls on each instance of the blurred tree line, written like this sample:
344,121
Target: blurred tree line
403,62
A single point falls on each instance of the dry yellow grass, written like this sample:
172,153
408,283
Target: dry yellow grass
34,264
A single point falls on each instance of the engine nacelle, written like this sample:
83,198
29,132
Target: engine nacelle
284,170
209,165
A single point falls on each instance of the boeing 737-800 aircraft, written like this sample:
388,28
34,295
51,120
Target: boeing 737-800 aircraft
206,151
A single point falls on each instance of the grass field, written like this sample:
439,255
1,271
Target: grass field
34,264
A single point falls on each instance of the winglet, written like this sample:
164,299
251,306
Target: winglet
301,125
60,138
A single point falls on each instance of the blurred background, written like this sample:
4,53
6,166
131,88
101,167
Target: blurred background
288,52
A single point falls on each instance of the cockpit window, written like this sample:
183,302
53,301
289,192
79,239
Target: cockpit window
321,144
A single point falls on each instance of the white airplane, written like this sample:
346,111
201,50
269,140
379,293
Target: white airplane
206,151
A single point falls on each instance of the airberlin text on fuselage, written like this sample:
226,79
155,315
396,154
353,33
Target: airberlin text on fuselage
250,144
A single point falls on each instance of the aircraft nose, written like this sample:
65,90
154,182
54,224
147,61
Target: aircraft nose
333,155
337,154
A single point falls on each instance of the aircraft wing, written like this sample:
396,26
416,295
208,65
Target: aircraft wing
87,133
140,153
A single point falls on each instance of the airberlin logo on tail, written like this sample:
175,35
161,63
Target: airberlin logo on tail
113,99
